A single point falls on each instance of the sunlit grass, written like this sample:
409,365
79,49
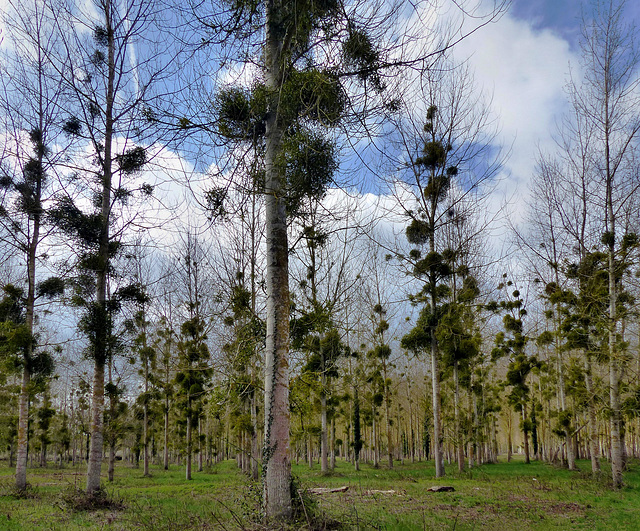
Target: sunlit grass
502,496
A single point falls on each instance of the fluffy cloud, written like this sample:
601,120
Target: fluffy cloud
526,70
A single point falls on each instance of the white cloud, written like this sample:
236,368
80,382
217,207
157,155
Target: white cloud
526,70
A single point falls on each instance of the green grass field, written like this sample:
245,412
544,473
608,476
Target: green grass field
505,496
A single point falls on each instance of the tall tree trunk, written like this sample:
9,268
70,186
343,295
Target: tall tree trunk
100,346
456,409
23,430
254,436
145,415
525,433
111,438
276,451
43,455
324,451
374,439
509,441
357,434
188,460
617,459
199,443
571,460
166,434
593,422
96,444
435,396
332,464
387,413
112,461
23,405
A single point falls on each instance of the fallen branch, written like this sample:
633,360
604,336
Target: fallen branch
325,490
440,488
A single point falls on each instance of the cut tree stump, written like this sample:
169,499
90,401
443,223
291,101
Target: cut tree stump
326,490
441,488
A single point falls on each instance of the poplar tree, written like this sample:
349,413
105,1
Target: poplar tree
591,195
608,100
311,52
512,342
110,87
29,101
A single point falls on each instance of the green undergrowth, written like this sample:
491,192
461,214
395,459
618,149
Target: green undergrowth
503,496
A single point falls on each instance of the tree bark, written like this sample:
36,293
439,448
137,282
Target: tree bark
332,464
525,433
112,461
188,460
100,347
145,419
96,444
254,436
456,408
166,434
387,412
23,431
276,452
324,440
593,423
324,451
435,395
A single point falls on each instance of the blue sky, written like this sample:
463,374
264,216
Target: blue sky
562,16
523,61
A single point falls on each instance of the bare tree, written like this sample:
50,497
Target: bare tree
29,102
109,85
588,194
297,88
446,170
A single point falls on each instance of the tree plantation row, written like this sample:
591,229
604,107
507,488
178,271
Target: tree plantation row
193,271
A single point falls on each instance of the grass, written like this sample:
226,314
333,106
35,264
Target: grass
504,496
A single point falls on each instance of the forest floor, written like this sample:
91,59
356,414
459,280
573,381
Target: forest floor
504,496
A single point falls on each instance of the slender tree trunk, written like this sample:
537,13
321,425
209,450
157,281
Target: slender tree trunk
435,395
593,422
112,438
23,404
188,460
374,439
145,418
474,453
525,433
96,444
199,443
571,460
388,418
166,434
112,462
324,457
616,441
509,441
23,430
333,442
254,437
100,346
456,408
617,459
357,433
276,451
